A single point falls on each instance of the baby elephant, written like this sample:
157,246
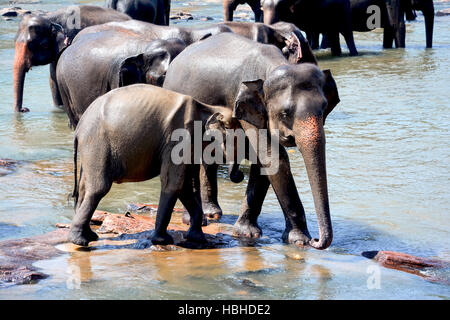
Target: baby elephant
126,136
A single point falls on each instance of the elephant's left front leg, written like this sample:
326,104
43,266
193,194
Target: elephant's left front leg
228,9
283,185
57,101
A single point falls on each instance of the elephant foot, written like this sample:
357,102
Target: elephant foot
186,219
162,238
82,237
23,110
297,237
196,236
212,210
246,229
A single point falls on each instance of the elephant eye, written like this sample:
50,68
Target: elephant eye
306,86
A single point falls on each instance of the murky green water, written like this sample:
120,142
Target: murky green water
388,150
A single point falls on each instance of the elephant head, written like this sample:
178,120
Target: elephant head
221,122
295,100
38,42
151,65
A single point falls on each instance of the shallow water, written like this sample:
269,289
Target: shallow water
388,160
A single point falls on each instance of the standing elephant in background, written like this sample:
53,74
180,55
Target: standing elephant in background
41,38
153,11
408,8
392,19
99,62
286,36
329,17
265,91
230,5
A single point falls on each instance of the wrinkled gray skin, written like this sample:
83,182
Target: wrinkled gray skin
153,11
41,38
151,31
277,34
329,17
103,139
99,62
265,91
230,5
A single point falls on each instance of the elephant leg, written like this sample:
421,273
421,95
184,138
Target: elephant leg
350,41
172,181
388,37
400,35
167,11
196,192
256,7
57,100
313,39
335,45
93,187
208,191
193,205
324,44
228,9
246,224
283,185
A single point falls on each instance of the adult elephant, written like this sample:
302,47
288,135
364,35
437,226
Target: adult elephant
150,31
329,17
392,15
285,36
41,38
99,62
153,11
230,5
266,91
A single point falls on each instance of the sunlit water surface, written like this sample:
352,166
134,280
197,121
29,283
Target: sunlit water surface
388,161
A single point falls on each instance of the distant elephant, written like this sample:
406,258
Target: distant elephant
392,19
230,5
126,136
41,38
265,91
150,31
286,36
329,17
153,11
100,62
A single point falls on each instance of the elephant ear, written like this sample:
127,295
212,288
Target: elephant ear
249,105
157,62
131,70
331,93
215,121
60,37
293,48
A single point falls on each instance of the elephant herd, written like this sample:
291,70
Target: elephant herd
127,85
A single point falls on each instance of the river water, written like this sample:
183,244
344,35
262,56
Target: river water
388,159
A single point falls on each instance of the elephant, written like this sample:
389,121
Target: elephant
282,34
41,38
264,90
329,17
392,19
151,31
96,63
153,11
145,117
230,5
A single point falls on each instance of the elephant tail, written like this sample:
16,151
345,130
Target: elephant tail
75,188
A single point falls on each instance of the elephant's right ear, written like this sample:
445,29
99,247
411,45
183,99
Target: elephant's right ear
331,93
249,105
130,70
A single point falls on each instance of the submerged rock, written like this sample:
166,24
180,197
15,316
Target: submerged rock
7,166
422,267
443,12
18,255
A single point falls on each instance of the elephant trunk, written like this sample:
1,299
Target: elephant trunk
428,13
21,65
234,173
310,140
